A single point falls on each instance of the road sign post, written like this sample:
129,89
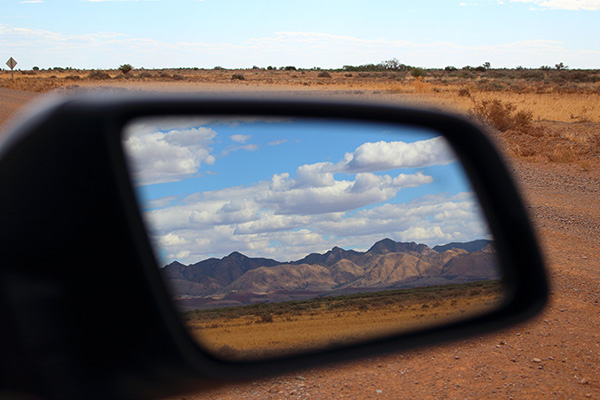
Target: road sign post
12,63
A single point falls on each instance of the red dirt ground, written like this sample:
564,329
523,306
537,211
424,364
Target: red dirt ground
555,356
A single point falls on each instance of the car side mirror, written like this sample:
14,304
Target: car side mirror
165,243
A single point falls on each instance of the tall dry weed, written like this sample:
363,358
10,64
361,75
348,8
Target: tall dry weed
503,115
420,85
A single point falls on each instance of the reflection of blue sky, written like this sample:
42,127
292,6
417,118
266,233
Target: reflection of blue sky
231,201
283,147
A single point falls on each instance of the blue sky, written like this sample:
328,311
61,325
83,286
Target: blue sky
287,188
303,33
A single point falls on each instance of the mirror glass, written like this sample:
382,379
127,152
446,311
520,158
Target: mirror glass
279,236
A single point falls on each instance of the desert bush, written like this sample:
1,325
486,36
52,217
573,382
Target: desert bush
533,75
503,116
265,318
579,76
466,74
125,68
145,75
324,74
73,77
238,77
450,68
177,77
98,75
417,72
464,92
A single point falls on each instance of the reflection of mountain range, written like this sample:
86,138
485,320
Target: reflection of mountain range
387,264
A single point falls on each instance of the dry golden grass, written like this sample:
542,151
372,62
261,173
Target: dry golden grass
544,96
581,103
263,334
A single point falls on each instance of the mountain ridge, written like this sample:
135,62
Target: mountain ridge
385,264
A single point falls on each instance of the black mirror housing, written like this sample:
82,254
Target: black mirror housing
85,311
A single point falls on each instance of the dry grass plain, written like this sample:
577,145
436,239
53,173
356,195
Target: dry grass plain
566,96
267,330
562,107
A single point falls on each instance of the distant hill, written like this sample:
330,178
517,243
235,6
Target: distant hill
387,264
476,245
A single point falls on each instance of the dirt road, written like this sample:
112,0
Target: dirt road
556,356
11,101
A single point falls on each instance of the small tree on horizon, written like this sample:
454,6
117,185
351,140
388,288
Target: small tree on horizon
125,68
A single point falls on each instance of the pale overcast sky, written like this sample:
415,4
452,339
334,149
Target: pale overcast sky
303,33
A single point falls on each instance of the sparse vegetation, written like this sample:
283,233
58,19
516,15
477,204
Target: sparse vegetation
267,329
515,101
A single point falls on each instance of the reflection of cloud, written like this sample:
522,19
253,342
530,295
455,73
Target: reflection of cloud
247,147
223,228
326,195
167,156
315,209
277,142
240,138
383,156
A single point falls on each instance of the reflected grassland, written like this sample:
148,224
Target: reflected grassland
273,329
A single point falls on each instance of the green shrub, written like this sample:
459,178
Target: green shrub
417,72
98,75
125,68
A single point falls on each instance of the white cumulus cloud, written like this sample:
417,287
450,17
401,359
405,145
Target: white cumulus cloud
166,156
